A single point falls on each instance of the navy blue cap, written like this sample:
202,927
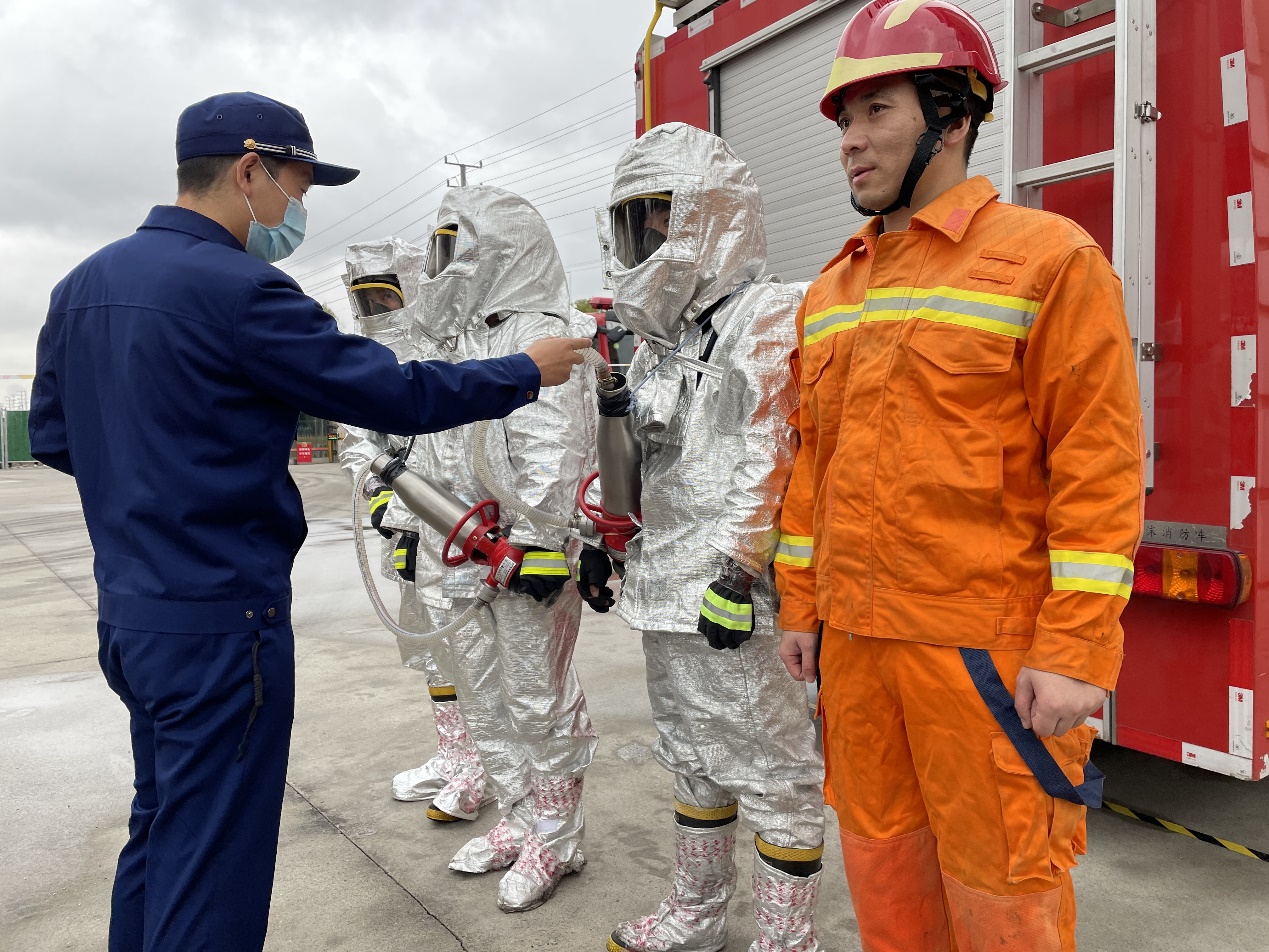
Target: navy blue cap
238,123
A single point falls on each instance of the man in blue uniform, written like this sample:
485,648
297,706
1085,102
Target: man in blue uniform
170,375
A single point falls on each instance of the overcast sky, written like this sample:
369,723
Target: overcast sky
91,90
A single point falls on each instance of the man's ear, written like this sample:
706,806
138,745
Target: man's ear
246,170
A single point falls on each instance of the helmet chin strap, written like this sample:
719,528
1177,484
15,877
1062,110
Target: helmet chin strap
931,142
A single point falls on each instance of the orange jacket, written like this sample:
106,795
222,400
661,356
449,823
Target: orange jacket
971,464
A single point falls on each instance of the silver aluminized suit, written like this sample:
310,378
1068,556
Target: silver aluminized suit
733,727
453,779
504,289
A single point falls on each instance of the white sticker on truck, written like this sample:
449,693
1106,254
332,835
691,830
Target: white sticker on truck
1242,365
1240,722
1242,232
1216,761
1234,87
1240,488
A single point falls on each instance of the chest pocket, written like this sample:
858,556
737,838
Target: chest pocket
956,374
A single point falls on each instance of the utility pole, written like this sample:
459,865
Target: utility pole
462,171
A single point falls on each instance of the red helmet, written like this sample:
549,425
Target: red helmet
909,36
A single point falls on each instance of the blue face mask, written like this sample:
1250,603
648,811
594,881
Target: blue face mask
274,242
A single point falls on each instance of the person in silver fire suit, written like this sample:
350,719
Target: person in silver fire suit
712,394
494,281
379,275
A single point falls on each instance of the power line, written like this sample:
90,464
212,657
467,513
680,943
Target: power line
567,160
364,228
624,72
541,140
466,147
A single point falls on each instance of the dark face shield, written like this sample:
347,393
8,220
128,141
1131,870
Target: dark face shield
376,294
640,226
441,251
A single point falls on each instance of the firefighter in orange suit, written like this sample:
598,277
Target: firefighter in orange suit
958,537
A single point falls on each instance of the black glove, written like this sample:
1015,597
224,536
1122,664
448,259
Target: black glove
594,568
542,575
406,555
727,609
379,495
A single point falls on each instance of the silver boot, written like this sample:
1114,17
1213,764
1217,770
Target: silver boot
454,751
498,848
783,901
694,917
552,849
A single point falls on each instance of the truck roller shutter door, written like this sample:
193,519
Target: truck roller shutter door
771,119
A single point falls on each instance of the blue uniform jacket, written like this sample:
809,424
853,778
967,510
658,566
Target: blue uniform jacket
169,379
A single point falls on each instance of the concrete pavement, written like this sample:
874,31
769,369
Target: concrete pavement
356,870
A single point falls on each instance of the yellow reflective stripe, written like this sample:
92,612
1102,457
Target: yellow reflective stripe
544,563
361,286
659,196
841,317
452,232
796,550
401,558
847,69
790,854
380,499
995,313
737,616
705,813
901,12
1103,573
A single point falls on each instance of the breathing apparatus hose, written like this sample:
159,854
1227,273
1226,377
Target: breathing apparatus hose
485,595
507,499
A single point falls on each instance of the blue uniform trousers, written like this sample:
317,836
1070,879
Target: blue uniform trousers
211,730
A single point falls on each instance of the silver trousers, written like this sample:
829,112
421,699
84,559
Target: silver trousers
513,671
733,726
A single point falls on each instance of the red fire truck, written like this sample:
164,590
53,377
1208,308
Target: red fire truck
1147,121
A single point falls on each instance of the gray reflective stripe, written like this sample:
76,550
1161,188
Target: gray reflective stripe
1088,570
796,551
992,312
724,613
846,316
538,561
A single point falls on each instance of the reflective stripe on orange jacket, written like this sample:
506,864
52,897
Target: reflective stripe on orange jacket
971,464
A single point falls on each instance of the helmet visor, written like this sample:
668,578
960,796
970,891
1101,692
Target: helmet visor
640,226
376,294
441,251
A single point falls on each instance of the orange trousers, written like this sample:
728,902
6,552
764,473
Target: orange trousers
949,841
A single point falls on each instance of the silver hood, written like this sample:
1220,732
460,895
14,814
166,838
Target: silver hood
505,261
388,256
716,239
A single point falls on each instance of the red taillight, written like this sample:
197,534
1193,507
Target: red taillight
1203,576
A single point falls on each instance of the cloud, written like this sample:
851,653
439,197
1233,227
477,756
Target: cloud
388,87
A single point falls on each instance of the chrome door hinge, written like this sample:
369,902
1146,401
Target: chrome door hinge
1146,112
1151,352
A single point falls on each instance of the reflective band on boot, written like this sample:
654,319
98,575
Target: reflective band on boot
694,916
783,901
790,859
896,888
